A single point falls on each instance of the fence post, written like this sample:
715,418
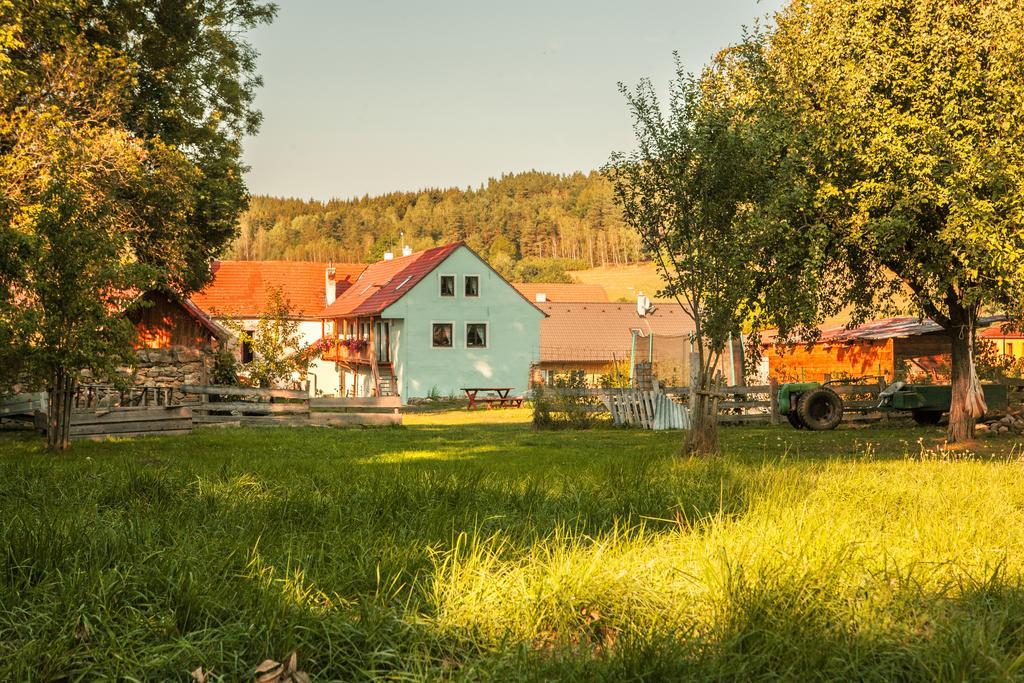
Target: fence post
773,397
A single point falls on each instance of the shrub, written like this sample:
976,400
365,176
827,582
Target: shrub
562,404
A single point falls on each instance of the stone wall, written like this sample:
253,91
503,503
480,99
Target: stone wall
172,366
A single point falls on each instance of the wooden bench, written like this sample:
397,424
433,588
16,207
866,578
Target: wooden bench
502,401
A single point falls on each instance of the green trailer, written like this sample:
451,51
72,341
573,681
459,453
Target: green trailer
815,406
927,403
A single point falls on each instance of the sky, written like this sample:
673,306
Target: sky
374,96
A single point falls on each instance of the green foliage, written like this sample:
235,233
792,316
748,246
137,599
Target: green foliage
994,365
276,344
898,158
517,216
498,552
225,368
536,269
120,171
686,190
563,404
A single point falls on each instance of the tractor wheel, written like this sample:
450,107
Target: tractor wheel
927,418
794,420
820,409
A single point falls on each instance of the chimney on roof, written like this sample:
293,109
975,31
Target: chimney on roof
540,297
389,256
407,250
643,305
330,285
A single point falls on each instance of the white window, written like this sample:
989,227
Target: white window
447,285
471,286
476,335
441,335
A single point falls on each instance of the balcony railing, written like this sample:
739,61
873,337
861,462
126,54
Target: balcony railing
348,350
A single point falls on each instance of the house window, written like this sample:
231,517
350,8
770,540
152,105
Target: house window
472,285
476,335
447,285
1009,348
247,354
442,335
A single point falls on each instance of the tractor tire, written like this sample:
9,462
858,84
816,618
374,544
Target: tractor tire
820,409
794,420
927,418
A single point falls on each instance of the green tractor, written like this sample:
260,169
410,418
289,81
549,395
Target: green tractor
810,405
815,406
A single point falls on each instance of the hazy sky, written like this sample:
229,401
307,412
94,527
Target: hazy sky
372,96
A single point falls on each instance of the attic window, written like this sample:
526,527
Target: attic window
403,283
472,285
447,285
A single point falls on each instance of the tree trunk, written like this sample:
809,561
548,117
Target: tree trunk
702,437
60,394
968,403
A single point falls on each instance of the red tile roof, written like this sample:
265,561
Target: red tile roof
385,282
557,291
581,332
241,288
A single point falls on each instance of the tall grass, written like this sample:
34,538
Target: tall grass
496,552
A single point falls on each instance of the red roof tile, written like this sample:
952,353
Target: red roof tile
580,332
241,288
385,282
557,291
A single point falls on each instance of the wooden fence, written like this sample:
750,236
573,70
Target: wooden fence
248,406
367,412
740,405
130,421
97,396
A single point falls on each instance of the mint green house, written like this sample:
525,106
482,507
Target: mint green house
428,322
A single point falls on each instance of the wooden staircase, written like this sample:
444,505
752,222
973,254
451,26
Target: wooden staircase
387,385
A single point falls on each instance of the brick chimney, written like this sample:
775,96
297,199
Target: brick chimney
330,285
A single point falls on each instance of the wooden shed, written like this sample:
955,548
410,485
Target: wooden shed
892,348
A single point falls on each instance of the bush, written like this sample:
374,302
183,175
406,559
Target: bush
561,405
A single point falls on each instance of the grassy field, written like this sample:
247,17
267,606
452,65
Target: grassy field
471,547
623,282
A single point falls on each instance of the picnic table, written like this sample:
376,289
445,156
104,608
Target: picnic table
500,397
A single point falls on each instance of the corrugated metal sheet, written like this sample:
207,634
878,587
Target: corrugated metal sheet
886,328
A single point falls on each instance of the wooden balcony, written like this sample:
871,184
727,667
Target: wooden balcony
341,354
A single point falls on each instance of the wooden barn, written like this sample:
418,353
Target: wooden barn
891,348
176,342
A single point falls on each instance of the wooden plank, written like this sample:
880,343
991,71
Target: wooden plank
131,435
259,408
243,391
371,402
132,427
275,421
356,419
131,415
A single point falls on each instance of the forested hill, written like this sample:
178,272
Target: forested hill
534,216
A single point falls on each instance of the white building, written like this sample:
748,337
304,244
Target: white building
241,289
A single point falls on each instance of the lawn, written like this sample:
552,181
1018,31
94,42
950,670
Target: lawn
468,546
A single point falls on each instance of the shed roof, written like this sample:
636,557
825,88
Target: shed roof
603,331
885,328
241,289
561,292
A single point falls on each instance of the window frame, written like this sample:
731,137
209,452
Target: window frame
487,334
466,277
450,323
440,286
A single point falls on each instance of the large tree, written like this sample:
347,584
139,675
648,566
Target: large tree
900,139
120,130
